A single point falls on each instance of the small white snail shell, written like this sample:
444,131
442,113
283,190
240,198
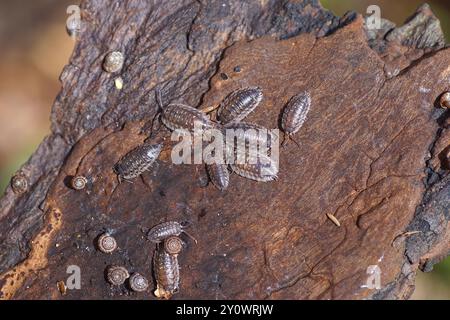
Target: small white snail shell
106,243
113,62
138,282
117,275
79,182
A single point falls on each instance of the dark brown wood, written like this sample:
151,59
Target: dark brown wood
373,154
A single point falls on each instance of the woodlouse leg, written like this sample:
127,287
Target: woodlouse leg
190,236
145,182
287,138
210,109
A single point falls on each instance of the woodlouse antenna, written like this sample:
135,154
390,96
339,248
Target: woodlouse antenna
159,97
190,236
287,138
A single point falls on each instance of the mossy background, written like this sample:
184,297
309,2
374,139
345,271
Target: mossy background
35,48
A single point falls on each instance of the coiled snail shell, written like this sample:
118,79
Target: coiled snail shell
79,182
19,183
106,243
173,245
138,282
117,275
113,61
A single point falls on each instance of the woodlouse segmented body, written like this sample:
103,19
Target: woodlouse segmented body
249,133
264,169
163,230
294,113
167,273
239,104
138,160
166,229
183,117
219,175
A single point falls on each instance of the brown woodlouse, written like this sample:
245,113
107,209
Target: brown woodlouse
183,117
106,243
219,175
19,183
117,275
264,170
166,229
239,104
167,273
173,245
78,182
250,133
138,282
294,115
138,160
445,100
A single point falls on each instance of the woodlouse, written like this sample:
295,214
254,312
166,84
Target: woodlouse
294,114
138,282
250,134
445,100
167,273
19,183
113,61
239,104
264,169
219,175
166,229
138,160
117,275
183,117
78,182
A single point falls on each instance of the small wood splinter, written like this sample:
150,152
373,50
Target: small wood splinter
333,219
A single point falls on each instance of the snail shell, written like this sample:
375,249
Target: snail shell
19,183
117,275
106,243
445,100
173,245
113,61
79,182
138,282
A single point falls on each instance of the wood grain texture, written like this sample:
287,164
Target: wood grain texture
371,154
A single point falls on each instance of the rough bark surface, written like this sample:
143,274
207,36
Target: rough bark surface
373,153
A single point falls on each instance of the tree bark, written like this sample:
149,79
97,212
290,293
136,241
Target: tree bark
373,153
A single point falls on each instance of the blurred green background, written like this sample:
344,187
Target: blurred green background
35,48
